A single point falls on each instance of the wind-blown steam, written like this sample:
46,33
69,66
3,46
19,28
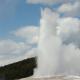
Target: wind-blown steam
55,57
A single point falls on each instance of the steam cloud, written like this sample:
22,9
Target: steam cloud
58,47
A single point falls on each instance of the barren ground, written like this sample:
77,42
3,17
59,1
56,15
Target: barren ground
53,78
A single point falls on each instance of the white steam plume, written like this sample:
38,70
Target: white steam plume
49,45
55,57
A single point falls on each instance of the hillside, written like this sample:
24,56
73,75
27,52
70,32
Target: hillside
18,70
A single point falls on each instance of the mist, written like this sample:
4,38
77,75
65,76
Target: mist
57,52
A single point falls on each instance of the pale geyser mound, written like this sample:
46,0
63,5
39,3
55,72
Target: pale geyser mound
58,51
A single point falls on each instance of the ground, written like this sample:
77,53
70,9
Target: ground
54,78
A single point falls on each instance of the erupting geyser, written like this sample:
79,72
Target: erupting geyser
54,57
49,45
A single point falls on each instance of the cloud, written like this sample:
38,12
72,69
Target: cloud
12,47
29,33
4,60
13,51
70,9
69,30
67,7
40,1
48,2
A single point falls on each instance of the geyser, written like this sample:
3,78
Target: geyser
54,57
49,45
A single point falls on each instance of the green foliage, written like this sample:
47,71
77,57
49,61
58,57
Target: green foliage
19,69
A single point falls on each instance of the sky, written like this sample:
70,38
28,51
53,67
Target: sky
20,24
